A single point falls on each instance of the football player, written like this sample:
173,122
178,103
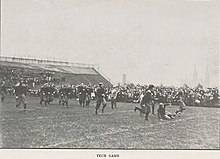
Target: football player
163,114
20,94
82,94
182,105
100,95
146,102
89,91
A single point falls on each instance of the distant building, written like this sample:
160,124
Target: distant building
123,79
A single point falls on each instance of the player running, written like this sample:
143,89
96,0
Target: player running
182,105
146,102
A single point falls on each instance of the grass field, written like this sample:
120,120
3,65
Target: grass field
55,126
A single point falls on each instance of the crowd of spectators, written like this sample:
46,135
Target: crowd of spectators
127,93
11,75
192,96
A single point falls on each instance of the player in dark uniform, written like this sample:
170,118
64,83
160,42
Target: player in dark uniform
20,94
44,94
100,95
47,93
89,91
82,94
146,102
3,91
64,94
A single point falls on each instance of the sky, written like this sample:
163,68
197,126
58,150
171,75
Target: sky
159,42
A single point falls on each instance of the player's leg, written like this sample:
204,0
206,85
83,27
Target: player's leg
144,109
63,100
41,98
177,112
98,103
46,101
148,110
182,107
89,99
153,109
86,100
24,101
18,101
139,109
3,96
170,115
60,99
104,104
83,100
112,103
115,104
51,98
166,117
66,100
79,101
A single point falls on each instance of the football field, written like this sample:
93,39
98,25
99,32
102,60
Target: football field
56,126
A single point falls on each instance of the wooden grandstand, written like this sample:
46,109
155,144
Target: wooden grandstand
67,72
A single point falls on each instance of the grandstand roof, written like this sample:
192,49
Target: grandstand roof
51,67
